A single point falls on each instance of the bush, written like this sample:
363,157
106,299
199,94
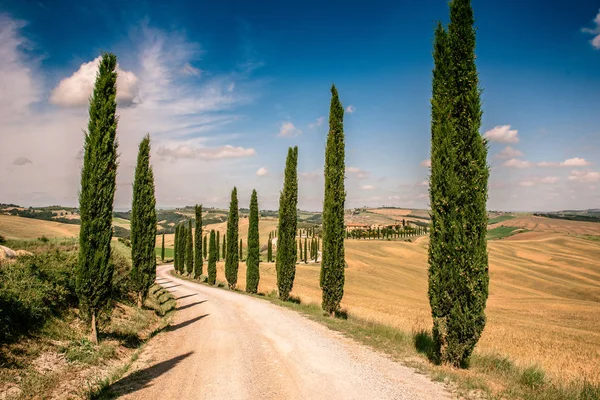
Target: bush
533,377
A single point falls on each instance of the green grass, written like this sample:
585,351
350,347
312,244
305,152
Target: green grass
594,238
416,349
121,221
502,232
169,252
500,218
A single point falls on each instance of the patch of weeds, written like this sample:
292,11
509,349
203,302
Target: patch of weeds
86,352
533,377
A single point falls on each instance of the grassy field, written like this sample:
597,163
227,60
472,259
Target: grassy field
544,291
501,232
500,218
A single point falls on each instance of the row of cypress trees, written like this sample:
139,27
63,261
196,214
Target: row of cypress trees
94,271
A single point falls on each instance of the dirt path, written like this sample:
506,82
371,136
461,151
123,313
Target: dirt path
225,345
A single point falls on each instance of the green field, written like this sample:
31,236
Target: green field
500,218
502,231
168,252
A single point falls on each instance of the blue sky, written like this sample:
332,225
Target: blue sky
224,88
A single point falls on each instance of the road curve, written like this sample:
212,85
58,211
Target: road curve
225,345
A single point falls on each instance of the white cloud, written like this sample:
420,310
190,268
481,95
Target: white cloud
367,187
516,163
76,89
584,176
204,153
595,31
502,134
575,162
357,172
288,129
311,176
318,122
526,183
509,152
262,171
550,179
350,109
231,87
189,70
426,163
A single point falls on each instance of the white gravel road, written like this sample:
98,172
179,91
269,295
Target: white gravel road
225,345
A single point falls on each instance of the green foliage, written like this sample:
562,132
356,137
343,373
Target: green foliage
253,258
224,247
288,211
162,249
176,250
500,218
241,250
98,183
333,258
218,246
502,231
198,242
270,249
189,249
143,225
212,259
205,246
458,262
232,260
34,288
305,251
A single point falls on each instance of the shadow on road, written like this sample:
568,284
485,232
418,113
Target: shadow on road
187,295
169,287
185,323
139,379
190,305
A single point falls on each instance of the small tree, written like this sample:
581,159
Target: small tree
224,248
94,272
212,259
253,258
189,250
270,249
241,251
198,242
232,260
218,246
205,246
143,225
176,249
162,249
305,256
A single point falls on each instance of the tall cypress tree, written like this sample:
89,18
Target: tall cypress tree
162,249
270,249
232,260
241,249
212,259
198,263
143,225
305,251
218,246
458,262
224,248
253,257
189,249
98,180
333,261
288,217
182,247
176,249
205,246
300,248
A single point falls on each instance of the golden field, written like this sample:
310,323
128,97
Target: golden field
544,302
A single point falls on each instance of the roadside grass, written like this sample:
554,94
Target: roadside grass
594,238
502,232
500,218
491,376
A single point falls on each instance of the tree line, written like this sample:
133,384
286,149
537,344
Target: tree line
458,261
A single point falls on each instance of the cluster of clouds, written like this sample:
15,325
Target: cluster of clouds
595,31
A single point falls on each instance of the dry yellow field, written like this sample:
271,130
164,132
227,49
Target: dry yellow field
391,212
13,227
543,308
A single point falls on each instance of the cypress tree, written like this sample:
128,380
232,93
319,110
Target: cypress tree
162,249
183,247
333,260
300,248
143,225
253,258
175,249
288,216
270,249
232,260
98,180
205,246
305,251
212,259
198,263
458,262
189,250
218,247
241,251
224,248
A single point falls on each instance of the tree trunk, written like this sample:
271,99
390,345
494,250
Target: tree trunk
94,336
140,300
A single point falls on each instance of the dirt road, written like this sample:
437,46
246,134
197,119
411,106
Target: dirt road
225,345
